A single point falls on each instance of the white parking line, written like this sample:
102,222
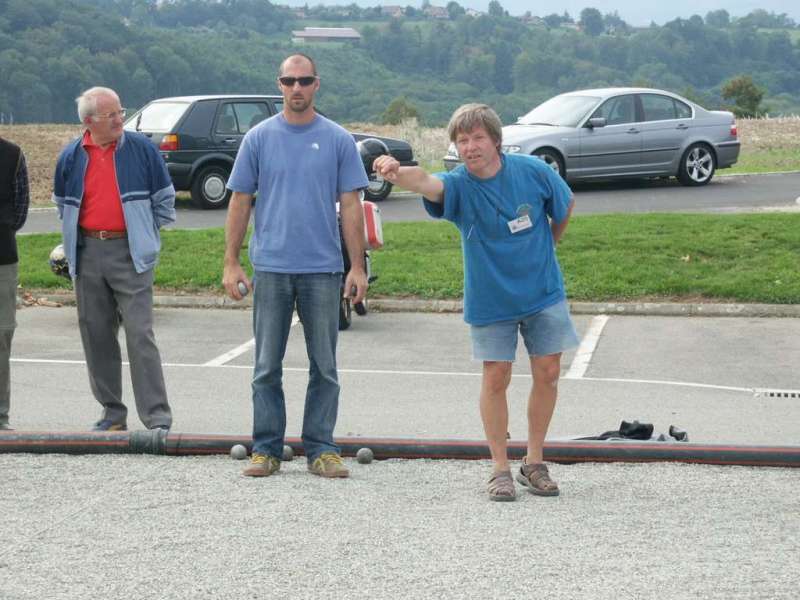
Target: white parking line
393,372
230,355
223,359
583,355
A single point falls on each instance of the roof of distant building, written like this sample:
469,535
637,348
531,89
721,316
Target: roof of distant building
345,33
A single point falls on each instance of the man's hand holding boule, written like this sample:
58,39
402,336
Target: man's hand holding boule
387,167
356,279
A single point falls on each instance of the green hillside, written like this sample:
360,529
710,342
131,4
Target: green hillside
51,50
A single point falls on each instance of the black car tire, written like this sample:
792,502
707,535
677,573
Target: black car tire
552,158
345,314
208,187
697,165
377,190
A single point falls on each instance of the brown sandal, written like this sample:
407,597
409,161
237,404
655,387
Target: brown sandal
536,478
501,487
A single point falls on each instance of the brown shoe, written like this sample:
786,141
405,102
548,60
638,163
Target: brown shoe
329,464
536,478
262,465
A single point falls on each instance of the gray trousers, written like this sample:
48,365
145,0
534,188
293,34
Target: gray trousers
109,290
8,322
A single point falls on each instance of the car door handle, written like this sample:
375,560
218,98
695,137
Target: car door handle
682,126
633,130
229,141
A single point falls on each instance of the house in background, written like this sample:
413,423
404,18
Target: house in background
326,34
393,11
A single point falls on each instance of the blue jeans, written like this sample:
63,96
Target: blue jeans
317,298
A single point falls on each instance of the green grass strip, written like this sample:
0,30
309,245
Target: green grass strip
741,258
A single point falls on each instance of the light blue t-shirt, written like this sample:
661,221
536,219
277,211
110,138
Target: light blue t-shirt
299,172
507,276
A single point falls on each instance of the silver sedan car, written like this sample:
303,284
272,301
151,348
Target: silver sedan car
624,132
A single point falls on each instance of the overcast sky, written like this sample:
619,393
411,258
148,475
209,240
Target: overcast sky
635,12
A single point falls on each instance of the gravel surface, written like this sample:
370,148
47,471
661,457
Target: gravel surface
108,527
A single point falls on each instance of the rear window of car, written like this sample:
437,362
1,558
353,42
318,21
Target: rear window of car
158,116
684,110
663,108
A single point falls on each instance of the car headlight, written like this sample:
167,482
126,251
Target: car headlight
511,149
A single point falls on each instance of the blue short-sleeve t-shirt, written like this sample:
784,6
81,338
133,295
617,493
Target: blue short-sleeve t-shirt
299,172
507,275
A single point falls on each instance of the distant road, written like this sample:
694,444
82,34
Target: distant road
735,193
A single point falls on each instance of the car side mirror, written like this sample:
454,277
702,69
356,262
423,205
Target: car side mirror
596,122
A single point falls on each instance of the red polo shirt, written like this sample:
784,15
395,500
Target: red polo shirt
101,207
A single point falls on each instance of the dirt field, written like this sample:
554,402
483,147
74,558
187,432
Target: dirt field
42,144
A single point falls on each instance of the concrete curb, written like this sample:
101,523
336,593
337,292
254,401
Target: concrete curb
662,309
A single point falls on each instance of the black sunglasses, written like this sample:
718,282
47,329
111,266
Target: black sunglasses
303,81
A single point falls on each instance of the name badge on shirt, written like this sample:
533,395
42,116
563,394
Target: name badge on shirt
520,224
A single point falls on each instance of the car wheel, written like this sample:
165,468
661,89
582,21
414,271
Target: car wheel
697,165
208,187
377,190
552,158
345,314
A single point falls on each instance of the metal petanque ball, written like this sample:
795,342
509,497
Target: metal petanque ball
238,452
243,288
288,453
365,456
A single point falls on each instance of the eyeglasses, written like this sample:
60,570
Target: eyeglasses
303,81
120,113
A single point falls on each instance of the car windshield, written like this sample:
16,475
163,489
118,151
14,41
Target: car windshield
564,111
157,116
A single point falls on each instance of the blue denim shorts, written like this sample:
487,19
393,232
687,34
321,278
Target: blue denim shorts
548,331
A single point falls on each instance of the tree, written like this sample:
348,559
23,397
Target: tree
745,94
502,74
718,18
591,21
495,9
554,20
612,22
455,10
399,110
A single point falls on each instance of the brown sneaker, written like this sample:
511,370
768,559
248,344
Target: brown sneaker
262,465
329,464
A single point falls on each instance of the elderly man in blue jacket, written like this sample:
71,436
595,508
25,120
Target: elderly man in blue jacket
114,193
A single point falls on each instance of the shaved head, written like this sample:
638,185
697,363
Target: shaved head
298,59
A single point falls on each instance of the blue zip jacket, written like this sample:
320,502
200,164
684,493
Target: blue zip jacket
148,197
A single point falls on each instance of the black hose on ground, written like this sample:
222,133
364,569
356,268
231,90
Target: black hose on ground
572,451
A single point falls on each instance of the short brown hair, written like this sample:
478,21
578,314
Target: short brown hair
469,116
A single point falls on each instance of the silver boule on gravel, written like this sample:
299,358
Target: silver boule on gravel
288,453
239,452
365,456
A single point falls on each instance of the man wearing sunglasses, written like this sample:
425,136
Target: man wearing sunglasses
300,164
511,210
114,193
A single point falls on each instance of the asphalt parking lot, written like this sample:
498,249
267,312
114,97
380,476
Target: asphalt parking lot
411,375
153,526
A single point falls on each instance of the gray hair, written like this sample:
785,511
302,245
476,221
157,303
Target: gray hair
469,116
87,101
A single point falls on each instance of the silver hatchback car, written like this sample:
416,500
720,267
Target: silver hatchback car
624,132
